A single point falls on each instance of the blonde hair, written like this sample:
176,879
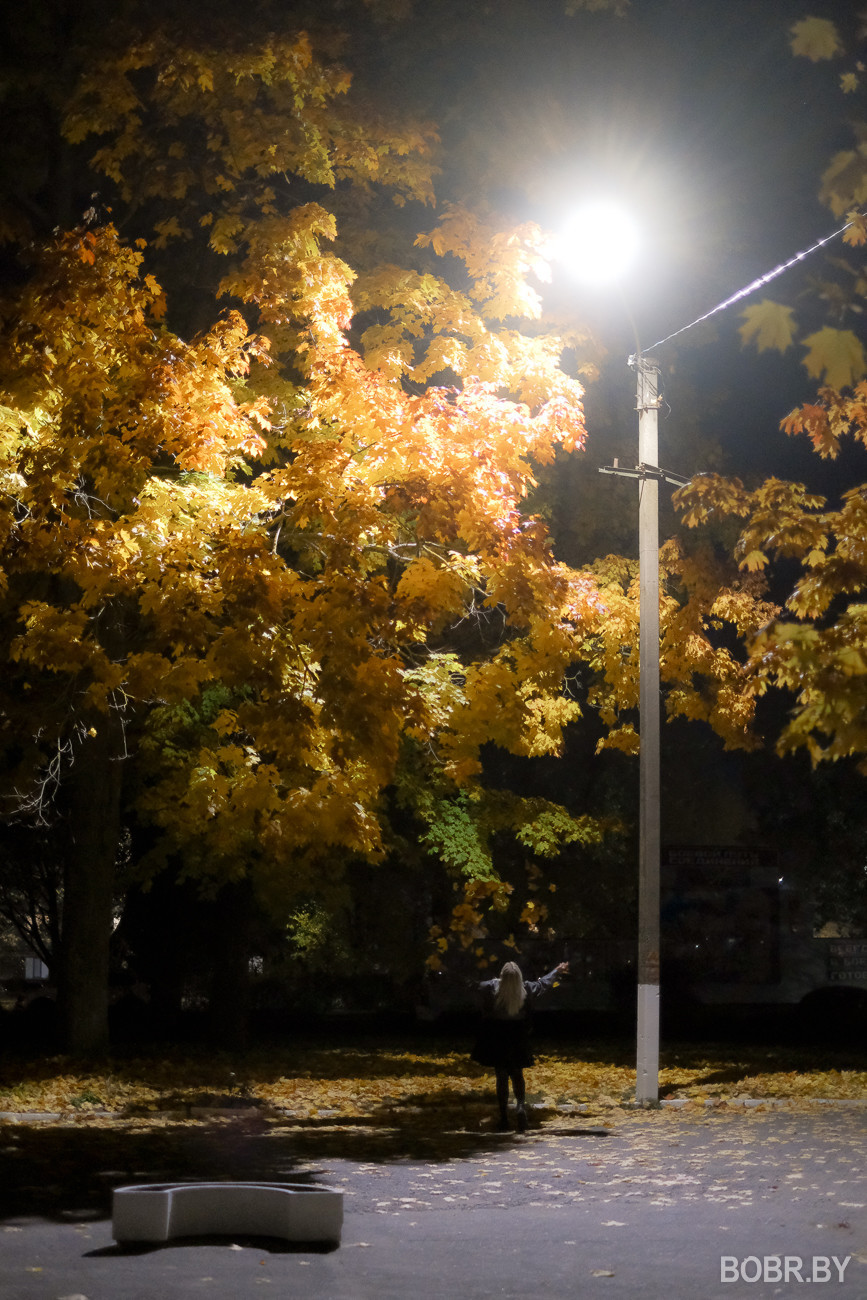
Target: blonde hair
510,993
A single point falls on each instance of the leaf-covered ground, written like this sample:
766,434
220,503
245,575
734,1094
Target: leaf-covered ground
395,1080
650,1198
404,1128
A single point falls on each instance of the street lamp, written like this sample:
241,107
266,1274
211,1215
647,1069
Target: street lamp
603,225
609,242
599,242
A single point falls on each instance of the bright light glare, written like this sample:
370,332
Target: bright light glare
600,242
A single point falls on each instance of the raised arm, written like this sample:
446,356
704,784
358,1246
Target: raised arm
535,988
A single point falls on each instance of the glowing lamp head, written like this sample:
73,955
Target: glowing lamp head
599,243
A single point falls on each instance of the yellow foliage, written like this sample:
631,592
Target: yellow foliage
856,233
844,182
754,560
624,738
768,325
816,39
835,356
384,1082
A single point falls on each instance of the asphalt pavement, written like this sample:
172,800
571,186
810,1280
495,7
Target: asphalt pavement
665,1205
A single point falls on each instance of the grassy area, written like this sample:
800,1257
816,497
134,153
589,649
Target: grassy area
312,1081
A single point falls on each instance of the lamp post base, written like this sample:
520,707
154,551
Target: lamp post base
647,1068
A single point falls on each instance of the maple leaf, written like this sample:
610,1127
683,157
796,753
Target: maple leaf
856,232
835,355
844,182
816,39
769,325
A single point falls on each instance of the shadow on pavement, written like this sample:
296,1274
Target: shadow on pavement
272,1245
65,1172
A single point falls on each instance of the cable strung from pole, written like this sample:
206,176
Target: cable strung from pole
756,284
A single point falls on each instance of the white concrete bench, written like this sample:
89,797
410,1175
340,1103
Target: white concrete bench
160,1211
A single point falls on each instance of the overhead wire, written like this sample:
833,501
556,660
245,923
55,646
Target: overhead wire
755,284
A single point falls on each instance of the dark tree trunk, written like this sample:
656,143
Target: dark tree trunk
161,926
230,981
93,790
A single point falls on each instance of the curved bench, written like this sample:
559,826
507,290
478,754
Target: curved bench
160,1211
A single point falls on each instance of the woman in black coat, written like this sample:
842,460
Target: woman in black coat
504,1034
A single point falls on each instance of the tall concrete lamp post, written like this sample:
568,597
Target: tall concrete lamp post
649,475
647,1057
606,230
602,240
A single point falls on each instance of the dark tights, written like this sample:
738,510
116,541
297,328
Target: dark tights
504,1074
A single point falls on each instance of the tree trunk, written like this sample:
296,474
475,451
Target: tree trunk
93,790
230,978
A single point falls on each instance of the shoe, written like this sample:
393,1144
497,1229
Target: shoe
521,1118
503,1127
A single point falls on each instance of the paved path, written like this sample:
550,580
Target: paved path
646,1208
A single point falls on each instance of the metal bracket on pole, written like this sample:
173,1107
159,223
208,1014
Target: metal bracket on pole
646,471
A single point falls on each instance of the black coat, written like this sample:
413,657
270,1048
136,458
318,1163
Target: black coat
504,1041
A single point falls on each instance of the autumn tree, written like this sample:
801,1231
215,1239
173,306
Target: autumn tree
814,654
257,634
269,575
